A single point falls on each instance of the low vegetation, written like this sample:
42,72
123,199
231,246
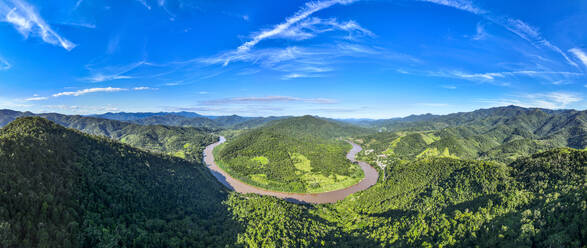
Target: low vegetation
292,155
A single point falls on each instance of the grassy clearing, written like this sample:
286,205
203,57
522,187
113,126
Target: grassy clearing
301,162
261,160
434,152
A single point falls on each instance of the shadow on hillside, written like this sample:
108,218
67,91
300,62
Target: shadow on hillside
336,237
394,213
221,178
474,204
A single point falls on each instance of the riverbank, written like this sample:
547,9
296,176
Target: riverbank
371,176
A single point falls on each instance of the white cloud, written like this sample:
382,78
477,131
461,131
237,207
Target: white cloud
77,4
79,24
143,88
458,4
310,27
450,87
481,76
551,100
203,92
277,30
296,60
299,75
580,54
494,76
481,34
144,3
516,26
26,20
309,9
4,65
102,78
36,98
532,35
87,91
111,73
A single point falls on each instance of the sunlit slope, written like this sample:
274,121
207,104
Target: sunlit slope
299,154
537,201
501,134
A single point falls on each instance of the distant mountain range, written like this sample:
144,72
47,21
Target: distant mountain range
185,142
189,119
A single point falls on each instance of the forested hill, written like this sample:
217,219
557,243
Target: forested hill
315,127
298,154
184,142
502,134
537,201
62,188
189,119
536,121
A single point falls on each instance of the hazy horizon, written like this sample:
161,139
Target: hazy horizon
265,116
332,58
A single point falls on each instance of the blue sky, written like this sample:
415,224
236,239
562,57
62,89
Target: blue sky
334,58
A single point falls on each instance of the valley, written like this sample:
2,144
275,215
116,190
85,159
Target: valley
371,177
497,177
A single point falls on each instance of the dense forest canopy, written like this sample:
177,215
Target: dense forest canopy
62,188
509,182
184,142
501,134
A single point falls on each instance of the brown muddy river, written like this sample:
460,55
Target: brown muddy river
371,176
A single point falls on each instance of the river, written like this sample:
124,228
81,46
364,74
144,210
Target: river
371,176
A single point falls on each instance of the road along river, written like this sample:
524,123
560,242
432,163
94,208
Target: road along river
371,176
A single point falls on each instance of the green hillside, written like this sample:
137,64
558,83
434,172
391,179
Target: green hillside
62,188
184,142
537,201
297,154
500,134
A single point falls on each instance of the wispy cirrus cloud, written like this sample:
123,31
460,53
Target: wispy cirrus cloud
311,27
481,33
296,60
27,21
4,65
516,26
459,4
295,27
144,3
299,75
309,9
549,100
268,99
580,54
88,91
495,76
36,98
111,73
143,88
302,60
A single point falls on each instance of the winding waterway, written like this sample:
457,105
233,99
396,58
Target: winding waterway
371,176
